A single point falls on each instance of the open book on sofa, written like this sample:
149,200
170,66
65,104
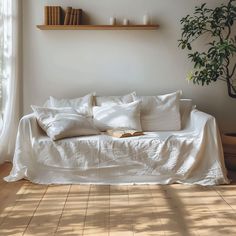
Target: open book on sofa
124,133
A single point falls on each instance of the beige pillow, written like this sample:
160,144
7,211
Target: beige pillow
82,105
61,123
160,113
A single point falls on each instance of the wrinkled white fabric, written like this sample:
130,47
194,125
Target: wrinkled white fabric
191,156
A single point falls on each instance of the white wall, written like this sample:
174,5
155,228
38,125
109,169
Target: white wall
74,63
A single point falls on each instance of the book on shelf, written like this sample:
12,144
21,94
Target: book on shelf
73,16
124,133
79,17
67,15
52,15
55,15
46,15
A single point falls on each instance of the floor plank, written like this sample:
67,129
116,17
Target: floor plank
120,215
145,218
48,213
22,211
135,210
97,214
73,217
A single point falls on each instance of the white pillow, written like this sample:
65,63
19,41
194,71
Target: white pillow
186,106
160,113
82,105
63,122
114,100
125,116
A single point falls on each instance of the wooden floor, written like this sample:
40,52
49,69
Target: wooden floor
29,209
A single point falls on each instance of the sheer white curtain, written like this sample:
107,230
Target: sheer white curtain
9,76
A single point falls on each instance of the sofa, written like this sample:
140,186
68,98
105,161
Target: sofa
183,147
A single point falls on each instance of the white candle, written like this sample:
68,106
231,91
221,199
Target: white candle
146,19
125,22
112,20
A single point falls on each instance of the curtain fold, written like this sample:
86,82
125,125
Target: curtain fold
9,54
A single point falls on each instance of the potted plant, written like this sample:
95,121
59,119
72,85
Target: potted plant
217,61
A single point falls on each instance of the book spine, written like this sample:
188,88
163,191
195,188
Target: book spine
67,16
49,15
46,15
55,15
80,12
58,15
61,16
71,16
52,15
75,17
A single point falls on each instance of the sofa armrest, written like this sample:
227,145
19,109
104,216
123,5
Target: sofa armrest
199,118
28,125
206,126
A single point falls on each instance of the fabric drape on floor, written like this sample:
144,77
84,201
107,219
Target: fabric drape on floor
9,56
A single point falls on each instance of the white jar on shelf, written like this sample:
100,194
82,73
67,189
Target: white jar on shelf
112,20
146,19
125,21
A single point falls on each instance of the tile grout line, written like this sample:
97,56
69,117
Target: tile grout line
86,209
62,211
35,211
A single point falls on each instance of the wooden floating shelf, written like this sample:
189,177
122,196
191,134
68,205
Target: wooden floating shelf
97,27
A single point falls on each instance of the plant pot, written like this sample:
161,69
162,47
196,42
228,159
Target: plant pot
229,145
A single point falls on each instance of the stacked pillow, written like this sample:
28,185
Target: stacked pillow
75,117
64,122
64,118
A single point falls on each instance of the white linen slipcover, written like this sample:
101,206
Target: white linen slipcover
192,156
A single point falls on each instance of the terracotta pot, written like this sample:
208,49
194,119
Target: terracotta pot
229,145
